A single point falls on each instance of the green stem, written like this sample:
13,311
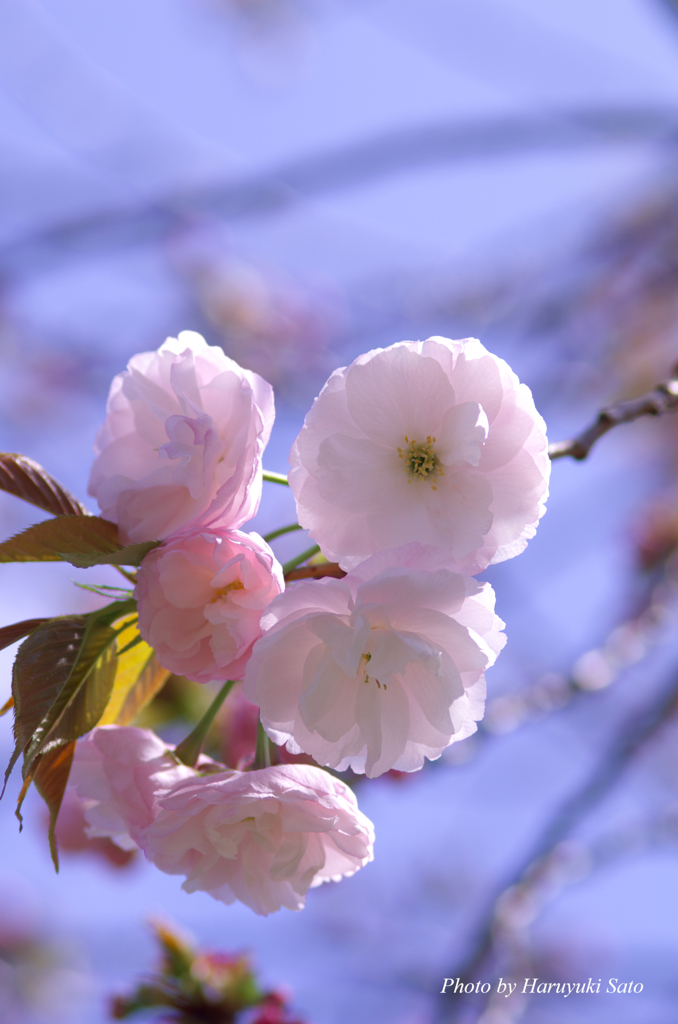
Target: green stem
131,577
262,756
283,529
189,749
300,559
276,478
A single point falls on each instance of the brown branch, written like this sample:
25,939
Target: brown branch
663,399
315,572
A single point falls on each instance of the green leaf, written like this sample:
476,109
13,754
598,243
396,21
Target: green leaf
89,698
43,664
10,634
74,711
72,675
51,778
50,671
45,542
130,555
81,540
25,479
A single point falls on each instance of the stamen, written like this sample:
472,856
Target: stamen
421,461
364,659
235,585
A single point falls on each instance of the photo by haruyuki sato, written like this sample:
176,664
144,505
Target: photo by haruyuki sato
417,467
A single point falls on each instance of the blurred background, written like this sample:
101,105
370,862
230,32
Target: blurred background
301,181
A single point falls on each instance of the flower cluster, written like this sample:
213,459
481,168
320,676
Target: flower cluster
262,837
417,467
201,595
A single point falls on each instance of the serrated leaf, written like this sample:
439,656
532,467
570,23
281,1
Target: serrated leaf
10,634
64,675
73,711
130,555
87,705
50,669
51,779
43,664
25,479
45,542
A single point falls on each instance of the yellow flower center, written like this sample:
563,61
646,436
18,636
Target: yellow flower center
421,461
235,585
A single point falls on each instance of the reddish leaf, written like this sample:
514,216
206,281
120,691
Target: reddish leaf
82,696
25,479
62,679
10,634
43,664
50,778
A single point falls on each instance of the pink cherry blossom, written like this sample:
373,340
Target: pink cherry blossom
434,441
380,669
183,440
263,837
120,773
200,598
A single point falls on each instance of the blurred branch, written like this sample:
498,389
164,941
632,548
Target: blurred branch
631,738
344,167
664,398
627,644
670,5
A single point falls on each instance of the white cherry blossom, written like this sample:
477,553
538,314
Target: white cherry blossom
434,441
380,669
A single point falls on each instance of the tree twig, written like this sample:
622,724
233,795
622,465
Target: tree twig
664,398
316,572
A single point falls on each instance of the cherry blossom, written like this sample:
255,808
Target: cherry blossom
434,441
200,598
120,773
262,837
380,669
183,440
